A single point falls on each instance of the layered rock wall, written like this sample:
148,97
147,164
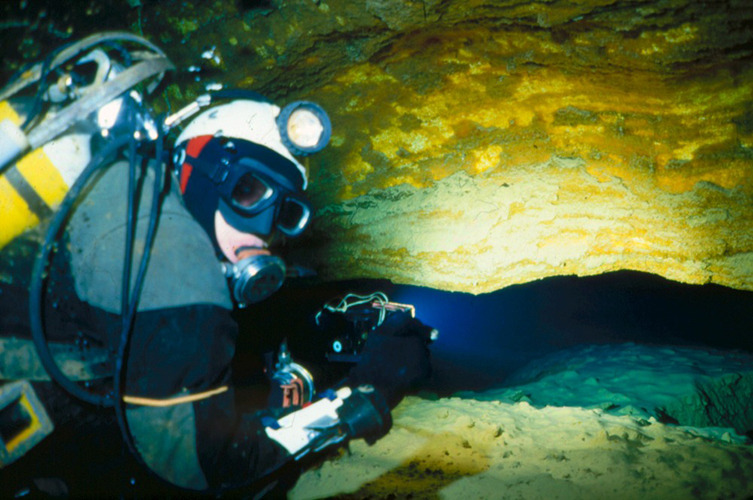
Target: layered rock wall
479,144
495,150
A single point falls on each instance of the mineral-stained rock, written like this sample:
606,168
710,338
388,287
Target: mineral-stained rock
488,153
478,144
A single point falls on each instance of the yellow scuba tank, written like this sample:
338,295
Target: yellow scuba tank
41,157
32,187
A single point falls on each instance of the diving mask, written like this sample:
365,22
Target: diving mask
258,188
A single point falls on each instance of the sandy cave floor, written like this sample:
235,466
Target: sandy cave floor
487,445
460,448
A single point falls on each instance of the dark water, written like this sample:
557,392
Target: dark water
484,338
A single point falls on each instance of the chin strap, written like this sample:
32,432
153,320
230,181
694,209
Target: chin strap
339,415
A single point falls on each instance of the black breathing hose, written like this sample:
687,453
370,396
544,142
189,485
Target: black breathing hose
130,298
130,306
38,277
43,86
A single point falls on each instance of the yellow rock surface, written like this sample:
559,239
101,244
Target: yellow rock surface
473,158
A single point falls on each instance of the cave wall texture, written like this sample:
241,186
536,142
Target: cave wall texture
478,144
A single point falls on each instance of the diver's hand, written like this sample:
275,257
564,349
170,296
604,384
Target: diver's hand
365,414
395,357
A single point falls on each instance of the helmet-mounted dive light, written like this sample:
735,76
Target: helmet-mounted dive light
304,127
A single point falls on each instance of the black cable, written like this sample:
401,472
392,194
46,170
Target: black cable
36,106
41,264
125,284
38,278
38,281
18,74
130,303
118,47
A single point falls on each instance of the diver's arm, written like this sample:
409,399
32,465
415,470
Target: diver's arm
239,450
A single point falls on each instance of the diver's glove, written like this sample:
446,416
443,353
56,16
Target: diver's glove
365,414
336,417
395,357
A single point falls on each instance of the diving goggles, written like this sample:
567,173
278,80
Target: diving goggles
253,188
252,194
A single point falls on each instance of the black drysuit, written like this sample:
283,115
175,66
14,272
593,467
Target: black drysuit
182,343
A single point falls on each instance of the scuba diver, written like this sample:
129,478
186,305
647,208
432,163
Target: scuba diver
116,310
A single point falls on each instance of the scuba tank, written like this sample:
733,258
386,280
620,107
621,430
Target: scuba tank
53,114
60,120
32,187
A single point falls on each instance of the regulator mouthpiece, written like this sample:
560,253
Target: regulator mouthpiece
255,278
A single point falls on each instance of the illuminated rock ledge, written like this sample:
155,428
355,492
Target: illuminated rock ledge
454,169
481,154
481,233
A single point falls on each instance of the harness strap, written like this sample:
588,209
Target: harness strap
94,99
33,74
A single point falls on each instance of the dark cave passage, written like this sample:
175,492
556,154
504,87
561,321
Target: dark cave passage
485,338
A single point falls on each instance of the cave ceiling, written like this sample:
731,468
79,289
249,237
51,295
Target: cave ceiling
479,144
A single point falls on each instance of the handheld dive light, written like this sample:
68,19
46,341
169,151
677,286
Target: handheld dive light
350,320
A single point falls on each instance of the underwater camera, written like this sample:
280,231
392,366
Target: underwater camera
349,320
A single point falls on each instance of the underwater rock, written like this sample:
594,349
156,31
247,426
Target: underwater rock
481,151
579,423
482,144
718,402
696,387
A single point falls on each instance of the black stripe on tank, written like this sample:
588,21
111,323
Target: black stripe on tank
36,204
